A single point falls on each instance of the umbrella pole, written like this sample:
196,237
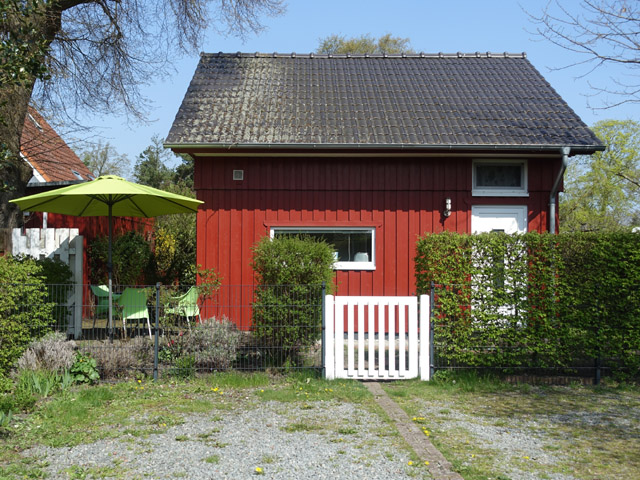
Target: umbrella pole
110,273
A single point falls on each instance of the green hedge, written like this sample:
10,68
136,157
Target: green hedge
25,313
533,301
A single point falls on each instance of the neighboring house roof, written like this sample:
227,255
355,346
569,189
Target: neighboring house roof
330,101
50,157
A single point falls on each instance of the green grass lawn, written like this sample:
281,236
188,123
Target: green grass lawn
492,430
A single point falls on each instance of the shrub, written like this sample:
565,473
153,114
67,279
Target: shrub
113,360
58,277
24,311
131,255
52,352
287,310
213,344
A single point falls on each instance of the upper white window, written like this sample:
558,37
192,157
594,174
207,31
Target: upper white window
354,248
500,178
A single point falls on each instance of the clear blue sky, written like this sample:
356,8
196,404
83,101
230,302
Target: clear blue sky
431,25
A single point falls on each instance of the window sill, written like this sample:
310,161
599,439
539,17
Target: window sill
498,193
354,266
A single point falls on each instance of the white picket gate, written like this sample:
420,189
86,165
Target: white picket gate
376,337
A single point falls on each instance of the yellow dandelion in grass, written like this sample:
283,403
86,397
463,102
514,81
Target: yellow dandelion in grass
259,471
214,389
262,391
426,463
139,381
525,457
410,463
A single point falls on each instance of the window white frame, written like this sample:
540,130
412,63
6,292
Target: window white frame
344,265
498,191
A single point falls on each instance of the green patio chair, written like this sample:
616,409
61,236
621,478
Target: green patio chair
185,305
101,296
133,302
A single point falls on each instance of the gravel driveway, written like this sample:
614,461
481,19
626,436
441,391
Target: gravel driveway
321,440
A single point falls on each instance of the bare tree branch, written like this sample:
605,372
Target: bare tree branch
603,33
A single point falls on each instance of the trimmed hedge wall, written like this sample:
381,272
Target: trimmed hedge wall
534,300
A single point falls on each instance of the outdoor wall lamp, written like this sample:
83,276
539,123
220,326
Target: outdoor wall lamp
447,207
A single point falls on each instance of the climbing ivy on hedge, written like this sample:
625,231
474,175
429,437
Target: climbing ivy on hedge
533,300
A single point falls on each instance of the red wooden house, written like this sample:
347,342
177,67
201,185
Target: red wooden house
369,152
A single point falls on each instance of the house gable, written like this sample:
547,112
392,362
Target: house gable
48,154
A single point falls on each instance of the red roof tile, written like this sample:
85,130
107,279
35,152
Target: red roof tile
48,153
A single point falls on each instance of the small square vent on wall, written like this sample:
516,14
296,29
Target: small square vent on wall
238,174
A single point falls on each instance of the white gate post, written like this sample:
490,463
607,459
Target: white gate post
329,338
425,346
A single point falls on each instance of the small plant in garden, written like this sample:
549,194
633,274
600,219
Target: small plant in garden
213,344
5,419
52,352
84,369
184,367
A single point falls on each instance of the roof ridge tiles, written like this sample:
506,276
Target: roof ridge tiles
366,55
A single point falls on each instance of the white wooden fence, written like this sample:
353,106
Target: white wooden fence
64,244
376,337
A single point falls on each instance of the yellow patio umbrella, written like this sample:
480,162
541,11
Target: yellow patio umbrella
109,196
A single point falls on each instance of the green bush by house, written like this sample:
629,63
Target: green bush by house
287,311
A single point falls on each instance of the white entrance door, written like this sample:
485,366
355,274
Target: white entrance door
499,218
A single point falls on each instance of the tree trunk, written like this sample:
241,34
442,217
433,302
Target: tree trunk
14,171
14,100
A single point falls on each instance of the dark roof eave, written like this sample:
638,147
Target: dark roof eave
575,149
59,183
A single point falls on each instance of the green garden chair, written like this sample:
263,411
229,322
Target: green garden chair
185,305
133,302
101,296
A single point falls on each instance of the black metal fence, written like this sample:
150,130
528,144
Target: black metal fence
182,330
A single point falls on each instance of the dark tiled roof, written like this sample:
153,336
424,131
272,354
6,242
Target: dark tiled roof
48,153
417,100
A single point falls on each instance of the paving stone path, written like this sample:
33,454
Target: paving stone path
439,467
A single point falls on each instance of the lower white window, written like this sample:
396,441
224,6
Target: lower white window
501,218
354,248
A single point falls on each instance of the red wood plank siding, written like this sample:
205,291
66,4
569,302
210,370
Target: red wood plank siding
401,197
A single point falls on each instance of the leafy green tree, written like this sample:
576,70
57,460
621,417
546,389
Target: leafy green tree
339,44
602,191
103,159
175,243
151,167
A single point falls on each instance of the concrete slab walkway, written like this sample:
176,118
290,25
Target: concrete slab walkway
439,467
